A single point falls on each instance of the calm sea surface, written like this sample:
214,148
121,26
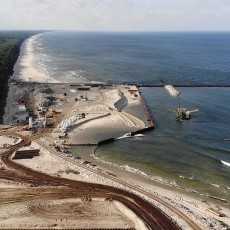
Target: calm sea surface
136,57
194,154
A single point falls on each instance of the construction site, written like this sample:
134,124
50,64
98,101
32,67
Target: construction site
69,110
44,186
42,119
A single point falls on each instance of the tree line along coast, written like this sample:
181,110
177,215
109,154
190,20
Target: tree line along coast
10,42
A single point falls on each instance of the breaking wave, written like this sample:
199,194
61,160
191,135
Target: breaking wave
134,170
167,181
204,182
225,163
137,171
189,178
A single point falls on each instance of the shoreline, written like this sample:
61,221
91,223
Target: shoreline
107,98
188,202
204,211
165,192
191,204
161,181
181,200
25,69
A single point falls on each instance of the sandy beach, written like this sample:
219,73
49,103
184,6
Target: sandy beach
25,67
200,209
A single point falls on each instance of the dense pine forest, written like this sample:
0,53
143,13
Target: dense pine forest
10,42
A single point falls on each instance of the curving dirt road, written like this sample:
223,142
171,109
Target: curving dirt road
180,214
151,215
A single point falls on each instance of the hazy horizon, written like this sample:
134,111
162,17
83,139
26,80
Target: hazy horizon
118,31
116,15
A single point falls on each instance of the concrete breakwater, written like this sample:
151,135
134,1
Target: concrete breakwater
103,142
181,85
87,144
147,110
94,85
142,130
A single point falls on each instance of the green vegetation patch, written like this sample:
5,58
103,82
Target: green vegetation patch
10,42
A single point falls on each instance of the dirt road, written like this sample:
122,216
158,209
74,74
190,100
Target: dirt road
152,216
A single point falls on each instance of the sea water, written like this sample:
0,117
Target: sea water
186,154
193,154
177,58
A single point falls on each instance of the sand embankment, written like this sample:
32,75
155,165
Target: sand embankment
104,115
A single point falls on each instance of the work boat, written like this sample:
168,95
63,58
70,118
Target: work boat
183,113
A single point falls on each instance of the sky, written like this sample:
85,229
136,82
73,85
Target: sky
115,15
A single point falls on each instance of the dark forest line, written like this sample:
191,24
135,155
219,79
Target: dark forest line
10,43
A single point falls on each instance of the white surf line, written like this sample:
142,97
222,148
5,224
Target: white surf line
225,163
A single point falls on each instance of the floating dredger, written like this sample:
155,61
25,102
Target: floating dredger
181,113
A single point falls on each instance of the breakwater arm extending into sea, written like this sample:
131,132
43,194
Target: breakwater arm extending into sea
188,85
138,85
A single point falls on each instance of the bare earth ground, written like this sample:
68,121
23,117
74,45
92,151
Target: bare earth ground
41,212
46,206
86,192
